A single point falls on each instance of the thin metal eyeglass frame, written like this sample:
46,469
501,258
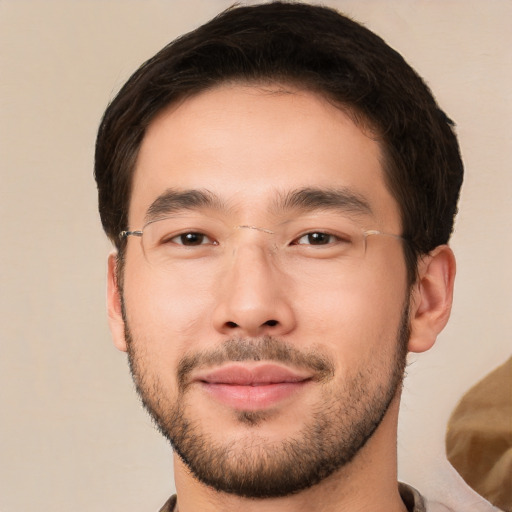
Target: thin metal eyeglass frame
366,234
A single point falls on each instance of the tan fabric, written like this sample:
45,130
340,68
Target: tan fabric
479,437
411,497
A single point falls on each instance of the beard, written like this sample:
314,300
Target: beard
252,465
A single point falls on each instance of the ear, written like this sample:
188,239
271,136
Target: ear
432,297
114,307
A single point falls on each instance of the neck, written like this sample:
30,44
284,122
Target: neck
367,483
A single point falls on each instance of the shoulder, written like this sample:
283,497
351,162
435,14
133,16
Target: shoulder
412,499
169,504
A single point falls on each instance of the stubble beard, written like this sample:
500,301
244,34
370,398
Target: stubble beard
253,466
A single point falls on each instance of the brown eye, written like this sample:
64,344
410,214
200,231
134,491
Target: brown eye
191,239
317,238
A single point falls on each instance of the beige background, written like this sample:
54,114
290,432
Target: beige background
72,434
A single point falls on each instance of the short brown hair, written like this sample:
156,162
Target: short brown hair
321,50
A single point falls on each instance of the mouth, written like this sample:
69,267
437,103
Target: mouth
252,386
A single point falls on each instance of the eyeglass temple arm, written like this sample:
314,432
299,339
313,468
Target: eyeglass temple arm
376,232
126,234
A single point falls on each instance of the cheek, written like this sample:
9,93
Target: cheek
354,314
168,310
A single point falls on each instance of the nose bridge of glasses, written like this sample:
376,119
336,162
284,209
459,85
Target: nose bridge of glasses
263,230
255,236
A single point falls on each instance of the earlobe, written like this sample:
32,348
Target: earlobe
431,298
114,304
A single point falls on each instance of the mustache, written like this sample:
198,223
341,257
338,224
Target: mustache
266,348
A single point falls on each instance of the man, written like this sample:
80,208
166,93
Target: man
280,187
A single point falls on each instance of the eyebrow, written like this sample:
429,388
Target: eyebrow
175,201
302,200
312,198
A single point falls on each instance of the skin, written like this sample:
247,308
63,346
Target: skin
247,144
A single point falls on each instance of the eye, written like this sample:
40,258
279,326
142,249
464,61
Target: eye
317,238
191,239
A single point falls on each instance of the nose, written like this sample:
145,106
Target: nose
252,297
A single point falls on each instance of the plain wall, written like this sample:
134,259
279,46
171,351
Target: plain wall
72,433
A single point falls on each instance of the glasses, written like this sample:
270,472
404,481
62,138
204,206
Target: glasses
320,239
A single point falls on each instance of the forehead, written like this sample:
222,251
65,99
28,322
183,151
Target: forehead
248,144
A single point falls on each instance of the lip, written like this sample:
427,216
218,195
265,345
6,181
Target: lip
252,387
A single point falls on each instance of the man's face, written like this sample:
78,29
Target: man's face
266,351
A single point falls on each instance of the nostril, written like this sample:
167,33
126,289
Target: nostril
234,325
